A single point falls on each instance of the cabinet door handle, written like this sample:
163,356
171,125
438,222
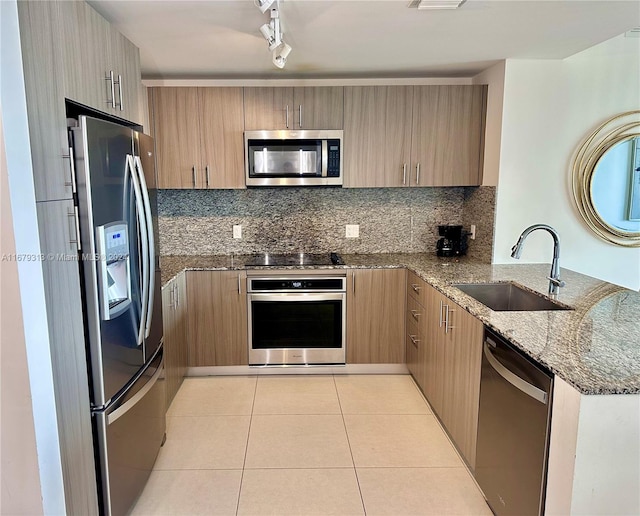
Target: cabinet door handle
300,116
440,321
172,297
447,328
75,220
414,341
404,174
286,120
415,287
193,170
353,283
418,174
119,83
72,167
415,314
207,174
239,285
113,89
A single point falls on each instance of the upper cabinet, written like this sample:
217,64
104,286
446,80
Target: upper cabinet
40,24
69,51
293,108
198,133
101,66
414,135
447,138
377,135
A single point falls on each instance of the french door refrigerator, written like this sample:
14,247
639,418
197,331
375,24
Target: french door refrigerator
120,278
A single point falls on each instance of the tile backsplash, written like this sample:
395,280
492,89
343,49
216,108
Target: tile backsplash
284,220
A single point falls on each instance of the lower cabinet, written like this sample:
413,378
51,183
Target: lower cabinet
174,319
444,353
375,316
217,318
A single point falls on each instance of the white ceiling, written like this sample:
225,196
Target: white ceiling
359,38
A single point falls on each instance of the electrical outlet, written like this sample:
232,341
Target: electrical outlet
352,231
237,231
472,236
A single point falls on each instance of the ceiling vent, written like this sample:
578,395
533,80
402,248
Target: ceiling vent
633,33
423,5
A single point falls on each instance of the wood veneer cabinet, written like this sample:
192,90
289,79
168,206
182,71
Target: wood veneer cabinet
414,135
174,318
93,53
447,137
452,369
41,24
217,303
375,316
198,133
318,107
447,360
377,134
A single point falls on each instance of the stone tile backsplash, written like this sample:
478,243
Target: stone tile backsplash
280,220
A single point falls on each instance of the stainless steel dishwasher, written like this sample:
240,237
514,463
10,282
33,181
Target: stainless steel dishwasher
513,429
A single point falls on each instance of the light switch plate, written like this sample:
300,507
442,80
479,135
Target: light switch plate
352,231
237,231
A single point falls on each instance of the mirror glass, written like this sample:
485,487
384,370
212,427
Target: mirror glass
615,186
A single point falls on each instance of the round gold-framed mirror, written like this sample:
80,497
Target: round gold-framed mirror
606,180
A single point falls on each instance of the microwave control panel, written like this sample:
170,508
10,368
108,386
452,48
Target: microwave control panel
333,159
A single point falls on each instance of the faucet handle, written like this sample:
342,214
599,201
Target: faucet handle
556,281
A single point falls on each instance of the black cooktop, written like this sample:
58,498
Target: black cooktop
288,260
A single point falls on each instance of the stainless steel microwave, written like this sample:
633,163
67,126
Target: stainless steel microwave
293,158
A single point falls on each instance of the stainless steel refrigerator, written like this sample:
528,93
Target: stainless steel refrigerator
120,276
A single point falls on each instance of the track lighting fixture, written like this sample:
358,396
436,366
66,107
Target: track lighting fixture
273,34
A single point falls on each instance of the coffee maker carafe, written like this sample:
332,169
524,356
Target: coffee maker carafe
453,241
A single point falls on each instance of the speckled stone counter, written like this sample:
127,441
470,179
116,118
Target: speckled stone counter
595,347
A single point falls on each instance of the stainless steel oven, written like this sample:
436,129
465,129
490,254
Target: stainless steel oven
297,320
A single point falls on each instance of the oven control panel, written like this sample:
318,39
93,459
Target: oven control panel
318,284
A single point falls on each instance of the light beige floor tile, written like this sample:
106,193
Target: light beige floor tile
221,395
296,395
399,441
300,492
190,493
420,491
207,442
300,441
380,394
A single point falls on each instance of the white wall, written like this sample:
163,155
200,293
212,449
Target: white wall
549,107
27,245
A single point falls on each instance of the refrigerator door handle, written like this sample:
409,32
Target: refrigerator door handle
150,243
142,224
126,406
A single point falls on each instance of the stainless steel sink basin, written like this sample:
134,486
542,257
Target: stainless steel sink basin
502,297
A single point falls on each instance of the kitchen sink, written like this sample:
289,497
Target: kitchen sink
502,297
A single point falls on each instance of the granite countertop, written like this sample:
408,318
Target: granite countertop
595,347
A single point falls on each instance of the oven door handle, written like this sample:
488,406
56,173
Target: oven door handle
286,297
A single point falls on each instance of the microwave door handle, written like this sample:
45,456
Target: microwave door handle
150,242
142,228
325,157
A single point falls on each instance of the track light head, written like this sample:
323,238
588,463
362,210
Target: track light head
280,54
263,5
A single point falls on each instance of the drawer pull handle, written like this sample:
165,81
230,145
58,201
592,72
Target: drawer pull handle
414,341
415,288
415,314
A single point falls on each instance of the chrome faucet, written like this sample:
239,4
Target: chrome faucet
554,279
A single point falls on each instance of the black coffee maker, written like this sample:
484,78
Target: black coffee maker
453,241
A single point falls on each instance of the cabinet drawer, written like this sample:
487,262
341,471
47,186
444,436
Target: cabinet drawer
415,351
417,314
417,288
